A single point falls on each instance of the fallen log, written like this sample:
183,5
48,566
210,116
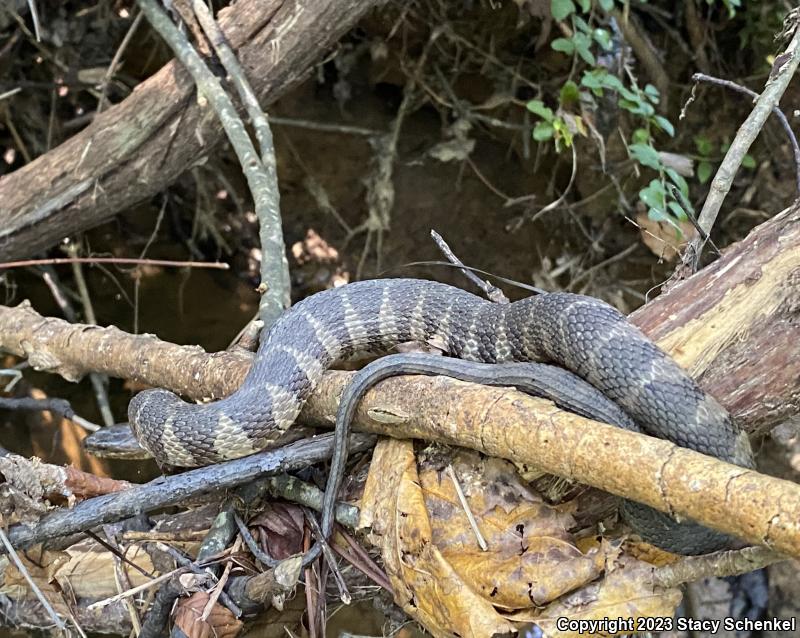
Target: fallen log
140,146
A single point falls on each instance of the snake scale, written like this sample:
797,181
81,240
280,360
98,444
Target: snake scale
581,334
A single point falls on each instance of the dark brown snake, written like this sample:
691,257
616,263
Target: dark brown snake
581,334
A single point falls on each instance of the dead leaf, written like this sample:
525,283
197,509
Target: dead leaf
531,559
662,238
221,623
424,583
282,524
439,575
625,592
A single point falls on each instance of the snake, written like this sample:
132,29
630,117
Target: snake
584,335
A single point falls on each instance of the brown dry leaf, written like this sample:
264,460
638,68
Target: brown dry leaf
425,585
439,575
662,238
41,566
85,570
531,559
283,525
221,622
625,592
89,572
547,569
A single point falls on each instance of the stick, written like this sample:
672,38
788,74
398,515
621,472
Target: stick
264,189
783,71
171,490
273,265
112,260
493,293
702,77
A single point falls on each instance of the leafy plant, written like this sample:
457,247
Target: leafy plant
667,195
706,160
560,126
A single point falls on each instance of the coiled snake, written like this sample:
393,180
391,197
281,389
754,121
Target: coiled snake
582,334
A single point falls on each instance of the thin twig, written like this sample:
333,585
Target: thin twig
259,554
61,407
35,18
135,590
515,225
204,570
465,506
361,559
97,380
112,67
121,578
729,563
492,292
782,72
326,127
344,593
167,263
274,265
219,587
702,77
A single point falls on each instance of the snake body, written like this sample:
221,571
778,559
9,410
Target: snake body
582,334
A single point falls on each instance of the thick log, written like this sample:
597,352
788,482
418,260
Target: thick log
140,146
735,326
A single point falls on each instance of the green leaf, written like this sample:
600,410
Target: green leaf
582,43
585,5
748,161
632,96
660,215
593,80
665,125
646,155
581,24
637,107
653,195
677,211
603,38
538,107
569,93
703,145
704,170
606,5
564,135
677,179
561,9
563,45
543,131
651,92
640,136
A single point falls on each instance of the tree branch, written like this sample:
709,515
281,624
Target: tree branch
782,72
138,147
